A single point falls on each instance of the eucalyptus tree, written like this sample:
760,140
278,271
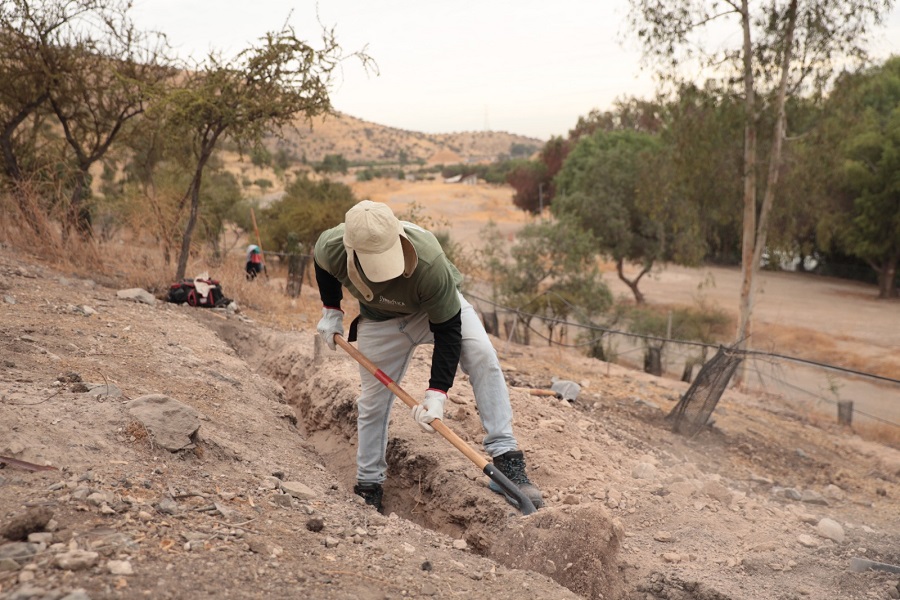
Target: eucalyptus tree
783,46
265,88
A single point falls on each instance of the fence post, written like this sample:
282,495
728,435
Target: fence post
296,267
653,361
845,412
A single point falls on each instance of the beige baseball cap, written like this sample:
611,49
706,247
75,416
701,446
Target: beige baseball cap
375,237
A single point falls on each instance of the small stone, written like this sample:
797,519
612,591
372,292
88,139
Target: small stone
119,567
830,529
671,557
75,560
807,541
663,536
315,524
331,542
813,497
298,490
8,564
460,544
42,537
26,576
283,500
833,492
792,494
643,470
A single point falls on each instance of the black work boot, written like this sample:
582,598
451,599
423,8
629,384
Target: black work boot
371,493
512,464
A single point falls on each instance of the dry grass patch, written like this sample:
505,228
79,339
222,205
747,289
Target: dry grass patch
820,347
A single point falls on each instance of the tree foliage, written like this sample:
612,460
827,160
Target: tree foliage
616,186
526,178
80,65
783,46
866,112
307,209
265,88
552,271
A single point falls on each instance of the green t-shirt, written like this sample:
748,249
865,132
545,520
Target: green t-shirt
432,287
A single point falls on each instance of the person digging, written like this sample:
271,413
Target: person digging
408,293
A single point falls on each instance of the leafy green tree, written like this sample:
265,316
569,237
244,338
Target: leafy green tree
783,45
518,150
867,112
266,87
282,159
307,209
333,163
260,156
700,130
615,186
526,178
219,197
553,269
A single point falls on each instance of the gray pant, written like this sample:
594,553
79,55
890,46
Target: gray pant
390,345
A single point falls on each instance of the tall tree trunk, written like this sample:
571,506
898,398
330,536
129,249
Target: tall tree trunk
194,194
777,138
754,242
749,230
887,278
78,216
189,228
26,200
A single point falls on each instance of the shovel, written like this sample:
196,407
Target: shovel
525,505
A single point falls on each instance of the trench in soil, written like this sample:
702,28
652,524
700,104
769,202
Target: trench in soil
432,484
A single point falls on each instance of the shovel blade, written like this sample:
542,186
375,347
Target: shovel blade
526,506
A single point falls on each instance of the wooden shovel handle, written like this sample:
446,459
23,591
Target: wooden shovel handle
437,424
510,489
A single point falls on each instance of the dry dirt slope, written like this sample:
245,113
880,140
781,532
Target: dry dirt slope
713,517
363,142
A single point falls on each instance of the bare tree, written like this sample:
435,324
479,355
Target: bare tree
265,88
82,62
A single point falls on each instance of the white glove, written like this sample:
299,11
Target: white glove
332,322
431,408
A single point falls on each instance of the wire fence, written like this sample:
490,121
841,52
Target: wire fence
819,386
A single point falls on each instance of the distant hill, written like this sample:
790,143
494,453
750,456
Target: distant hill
365,142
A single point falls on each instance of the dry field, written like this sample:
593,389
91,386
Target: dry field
815,318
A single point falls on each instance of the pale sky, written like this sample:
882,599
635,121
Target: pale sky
530,67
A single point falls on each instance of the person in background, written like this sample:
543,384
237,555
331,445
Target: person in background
254,261
408,293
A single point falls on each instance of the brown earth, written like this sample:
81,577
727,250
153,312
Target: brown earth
742,511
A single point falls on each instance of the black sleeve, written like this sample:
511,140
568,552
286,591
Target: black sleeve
447,346
329,288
